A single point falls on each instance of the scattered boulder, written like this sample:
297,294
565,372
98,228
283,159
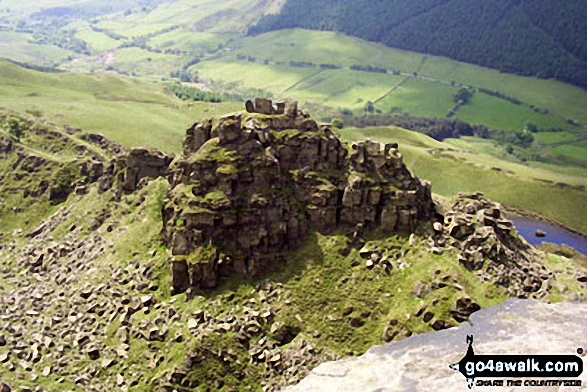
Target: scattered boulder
489,244
463,308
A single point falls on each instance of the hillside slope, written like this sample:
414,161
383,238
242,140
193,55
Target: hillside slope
87,273
526,37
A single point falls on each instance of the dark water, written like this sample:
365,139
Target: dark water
555,234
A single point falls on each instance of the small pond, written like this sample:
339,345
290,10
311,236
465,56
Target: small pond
555,234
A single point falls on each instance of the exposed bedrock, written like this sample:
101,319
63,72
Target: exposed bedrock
248,187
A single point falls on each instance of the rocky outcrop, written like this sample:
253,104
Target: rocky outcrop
489,243
421,362
126,171
248,187
266,106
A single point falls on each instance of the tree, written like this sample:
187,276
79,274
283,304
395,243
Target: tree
337,123
463,96
531,127
15,128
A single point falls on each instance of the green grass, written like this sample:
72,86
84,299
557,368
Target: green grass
487,153
419,98
132,112
561,99
500,114
547,138
246,75
342,88
16,46
128,29
128,61
187,40
325,48
98,42
202,15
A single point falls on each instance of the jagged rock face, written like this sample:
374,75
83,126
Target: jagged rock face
488,243
421,362
126,171
141,163
248,188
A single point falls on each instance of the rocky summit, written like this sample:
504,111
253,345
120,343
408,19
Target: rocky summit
249,186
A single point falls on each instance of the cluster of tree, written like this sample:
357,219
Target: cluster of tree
368,68
92,9
463,96
543,38
500,95
106,32
35,67
185,75
302,64
521,139
247,58
64,39
436,128
15,127
142,44
330,66
188,93
52,33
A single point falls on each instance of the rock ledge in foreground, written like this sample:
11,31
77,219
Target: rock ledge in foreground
421,362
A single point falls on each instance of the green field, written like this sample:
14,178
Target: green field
430,95
500,114
99,42
242,76
186,40
130,111
561,99
16,46
325,48
420,98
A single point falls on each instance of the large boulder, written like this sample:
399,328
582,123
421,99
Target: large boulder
421,362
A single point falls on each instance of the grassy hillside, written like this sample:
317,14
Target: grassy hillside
130,111
562,101
97,272
529,37
136,112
